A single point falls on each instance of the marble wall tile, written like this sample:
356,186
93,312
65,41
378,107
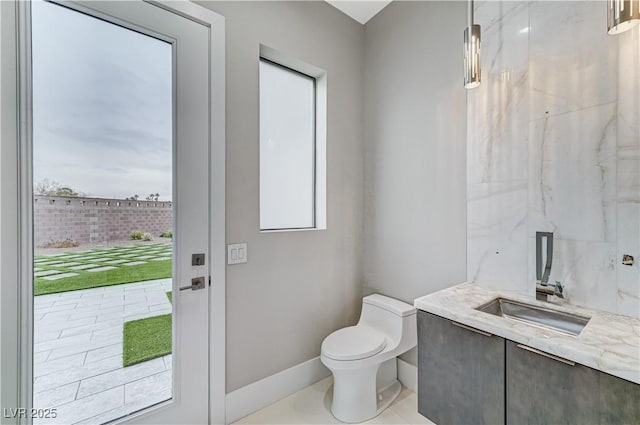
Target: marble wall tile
497,235
581,174
628,171
573,61
498,109
572,174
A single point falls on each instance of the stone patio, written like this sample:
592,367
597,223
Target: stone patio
78,353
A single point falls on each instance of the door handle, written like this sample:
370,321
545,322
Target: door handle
196,283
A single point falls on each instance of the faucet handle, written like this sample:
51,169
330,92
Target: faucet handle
559,289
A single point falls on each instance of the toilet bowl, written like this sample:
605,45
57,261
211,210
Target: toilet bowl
362,358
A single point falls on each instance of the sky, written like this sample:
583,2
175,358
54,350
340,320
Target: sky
102,106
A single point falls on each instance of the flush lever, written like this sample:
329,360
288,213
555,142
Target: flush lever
196,283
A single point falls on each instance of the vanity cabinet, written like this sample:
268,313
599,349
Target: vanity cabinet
544,389
468,376
461,373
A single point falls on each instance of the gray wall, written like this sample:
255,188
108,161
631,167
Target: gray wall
415,121
297,287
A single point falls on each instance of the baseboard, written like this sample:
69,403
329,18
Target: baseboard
408,375
264,392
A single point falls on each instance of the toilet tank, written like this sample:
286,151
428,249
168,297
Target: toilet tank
391,316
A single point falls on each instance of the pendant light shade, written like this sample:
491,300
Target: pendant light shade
472,56
622,15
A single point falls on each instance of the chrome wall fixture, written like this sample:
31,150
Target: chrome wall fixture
471,51
622,15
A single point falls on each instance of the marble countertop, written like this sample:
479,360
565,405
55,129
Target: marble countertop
609,343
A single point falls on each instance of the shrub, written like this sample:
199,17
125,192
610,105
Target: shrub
147,237
67,243
166,234
137,235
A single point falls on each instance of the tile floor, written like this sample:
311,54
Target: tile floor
311,406
78,352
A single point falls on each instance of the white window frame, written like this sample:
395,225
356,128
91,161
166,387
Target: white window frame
292,64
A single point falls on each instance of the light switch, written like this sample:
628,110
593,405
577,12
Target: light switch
237,253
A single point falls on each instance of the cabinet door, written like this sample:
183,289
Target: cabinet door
460,373
619,400
546,390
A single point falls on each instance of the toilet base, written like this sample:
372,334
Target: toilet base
356,397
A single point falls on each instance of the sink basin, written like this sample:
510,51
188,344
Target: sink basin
534,315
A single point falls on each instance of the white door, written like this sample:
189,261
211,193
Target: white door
175,96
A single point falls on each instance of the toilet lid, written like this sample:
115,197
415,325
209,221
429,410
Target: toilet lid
353,343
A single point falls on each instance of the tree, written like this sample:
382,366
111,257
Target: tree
46,187
153,197
133,198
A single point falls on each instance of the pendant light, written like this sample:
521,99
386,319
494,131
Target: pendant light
471,51
622,15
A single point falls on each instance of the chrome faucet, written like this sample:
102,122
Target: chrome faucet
543,287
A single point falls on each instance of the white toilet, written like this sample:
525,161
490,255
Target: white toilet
362,358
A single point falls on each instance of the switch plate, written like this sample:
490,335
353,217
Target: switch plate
237,253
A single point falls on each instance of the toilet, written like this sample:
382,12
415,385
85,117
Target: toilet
362,358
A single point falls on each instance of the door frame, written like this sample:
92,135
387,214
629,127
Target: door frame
16,194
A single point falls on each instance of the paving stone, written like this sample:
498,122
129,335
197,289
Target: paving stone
142,388
57,365
84,267
84,346
145,257
70,264
46,273
119,377
84,408
60,323
102,259
55,396
61,342
90,328
126,409
40,357
60,276
103,353
101,269
93,364
134,263
116,261
168,361
65,300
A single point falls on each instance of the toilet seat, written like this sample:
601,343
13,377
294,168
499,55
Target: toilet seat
353,343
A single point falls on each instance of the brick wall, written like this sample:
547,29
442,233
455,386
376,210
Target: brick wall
89,220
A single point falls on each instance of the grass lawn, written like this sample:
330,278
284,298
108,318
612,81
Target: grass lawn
101,267
146,339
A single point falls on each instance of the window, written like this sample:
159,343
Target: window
290,155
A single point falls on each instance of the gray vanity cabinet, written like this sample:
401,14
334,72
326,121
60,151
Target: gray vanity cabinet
460,373
542,389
